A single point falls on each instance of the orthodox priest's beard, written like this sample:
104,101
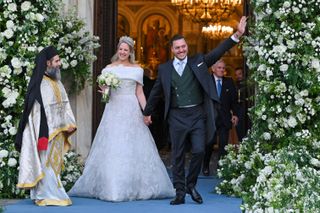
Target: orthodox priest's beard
53,73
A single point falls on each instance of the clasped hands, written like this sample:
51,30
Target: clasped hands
147,120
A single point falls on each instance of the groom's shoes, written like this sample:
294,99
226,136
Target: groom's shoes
179,199
194,194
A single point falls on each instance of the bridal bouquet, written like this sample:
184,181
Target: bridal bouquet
107,80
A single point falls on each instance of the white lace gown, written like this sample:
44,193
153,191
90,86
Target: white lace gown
123,163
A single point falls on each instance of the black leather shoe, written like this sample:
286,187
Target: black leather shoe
206,171
177,200
194,195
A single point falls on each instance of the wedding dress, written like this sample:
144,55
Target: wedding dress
123,163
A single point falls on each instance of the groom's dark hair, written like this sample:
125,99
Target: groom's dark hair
176,37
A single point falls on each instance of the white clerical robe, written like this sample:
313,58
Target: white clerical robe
40,170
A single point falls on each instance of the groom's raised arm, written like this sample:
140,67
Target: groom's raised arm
214,55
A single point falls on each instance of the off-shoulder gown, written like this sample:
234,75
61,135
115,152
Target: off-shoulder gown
123,163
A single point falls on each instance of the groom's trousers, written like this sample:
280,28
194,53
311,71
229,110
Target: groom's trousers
186,124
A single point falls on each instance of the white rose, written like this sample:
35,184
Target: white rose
261,178
286,4
304,93
284,67
16,63
269,73
295,10
6,91
74,63
288,109
12,7
292,122
291,44
267,170
115,81
108,81
25,6
8,118
315,162
13,130
269,11
12,162
266,136
315,63
248,165
262,67
17,71
299,176
8,33
10,24
4,153
39,17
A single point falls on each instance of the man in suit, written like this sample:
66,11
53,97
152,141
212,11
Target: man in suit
189,96
242,103
227,112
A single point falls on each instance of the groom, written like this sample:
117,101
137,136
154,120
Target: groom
190,100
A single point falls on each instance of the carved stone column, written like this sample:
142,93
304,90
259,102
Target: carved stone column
105,26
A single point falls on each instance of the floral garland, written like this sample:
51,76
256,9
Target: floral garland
25,28
277,167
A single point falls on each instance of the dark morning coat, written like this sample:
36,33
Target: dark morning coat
199,65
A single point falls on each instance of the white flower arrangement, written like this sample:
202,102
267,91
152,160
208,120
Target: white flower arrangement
27,27
72,169
107,81
278,163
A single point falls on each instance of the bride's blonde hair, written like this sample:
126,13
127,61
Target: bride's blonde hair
128,40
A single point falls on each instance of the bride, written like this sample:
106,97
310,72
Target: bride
123,163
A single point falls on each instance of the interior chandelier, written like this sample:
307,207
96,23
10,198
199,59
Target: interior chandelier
217,31
206,11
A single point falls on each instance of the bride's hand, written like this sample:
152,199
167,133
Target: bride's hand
147,120
102,89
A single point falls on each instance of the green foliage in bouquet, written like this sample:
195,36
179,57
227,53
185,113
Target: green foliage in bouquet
277,167
25,28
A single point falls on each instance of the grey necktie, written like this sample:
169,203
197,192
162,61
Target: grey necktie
180,67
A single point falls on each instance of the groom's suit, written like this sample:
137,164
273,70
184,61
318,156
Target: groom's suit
194,123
